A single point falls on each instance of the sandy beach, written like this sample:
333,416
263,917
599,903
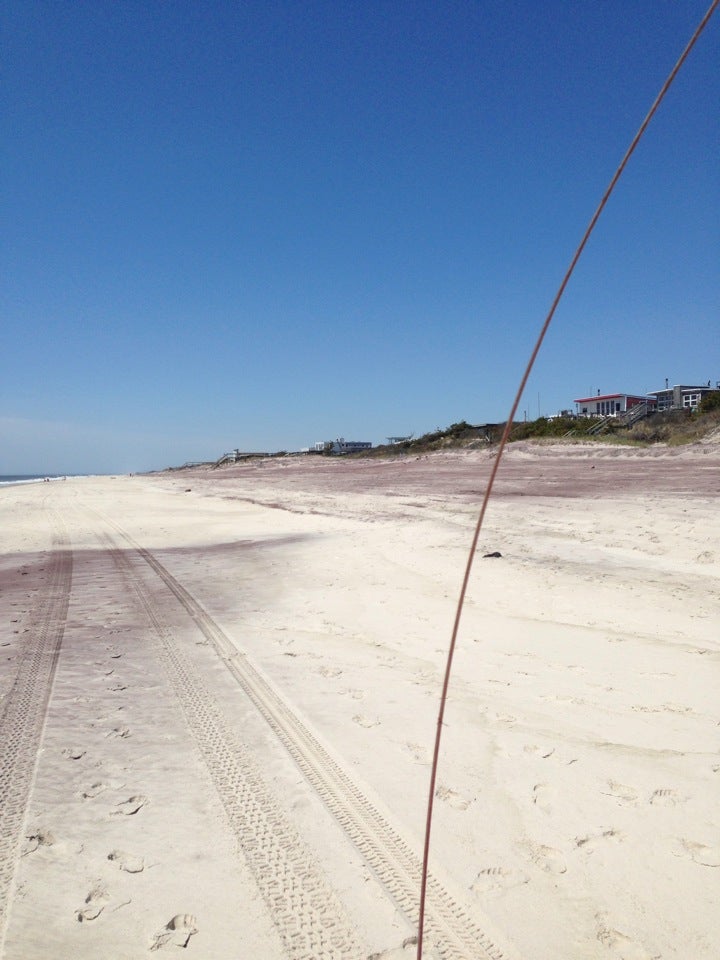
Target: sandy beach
219,692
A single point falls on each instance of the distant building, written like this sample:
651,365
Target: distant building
341,445
393,440
681,397
611,404
350,446
236,456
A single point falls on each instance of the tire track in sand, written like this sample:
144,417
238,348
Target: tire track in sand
306,912
22,719
454,931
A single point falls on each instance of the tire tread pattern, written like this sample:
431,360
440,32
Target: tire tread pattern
453,930
24,710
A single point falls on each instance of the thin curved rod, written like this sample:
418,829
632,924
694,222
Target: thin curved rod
501,449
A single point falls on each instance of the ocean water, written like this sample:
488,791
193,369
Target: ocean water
7,479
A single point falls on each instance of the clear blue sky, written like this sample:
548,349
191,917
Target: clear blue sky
263,224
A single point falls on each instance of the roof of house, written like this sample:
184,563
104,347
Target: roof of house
612,396
679,386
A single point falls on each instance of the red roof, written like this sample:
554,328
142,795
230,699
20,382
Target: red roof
612,396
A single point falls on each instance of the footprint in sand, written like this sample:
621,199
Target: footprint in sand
543,752
330,672
542,796
564,698
621,792
420,754
622,946
74,753
397,953
498,880
127,861
664,797
452,797
122,732
94,790
700,853
591,842
40,838
365,722
95,903
176,932
548,858
129,807
680,708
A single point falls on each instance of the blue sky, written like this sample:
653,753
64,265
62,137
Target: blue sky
263,224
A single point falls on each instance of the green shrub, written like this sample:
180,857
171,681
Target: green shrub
543,427
711,401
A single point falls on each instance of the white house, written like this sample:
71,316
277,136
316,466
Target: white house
610,404
350,446
341,445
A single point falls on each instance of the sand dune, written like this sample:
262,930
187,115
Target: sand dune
219,693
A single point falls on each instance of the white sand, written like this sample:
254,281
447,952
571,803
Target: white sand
217,718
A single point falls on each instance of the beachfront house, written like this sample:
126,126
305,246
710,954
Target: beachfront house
350,446
682,397
611,404
341,445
